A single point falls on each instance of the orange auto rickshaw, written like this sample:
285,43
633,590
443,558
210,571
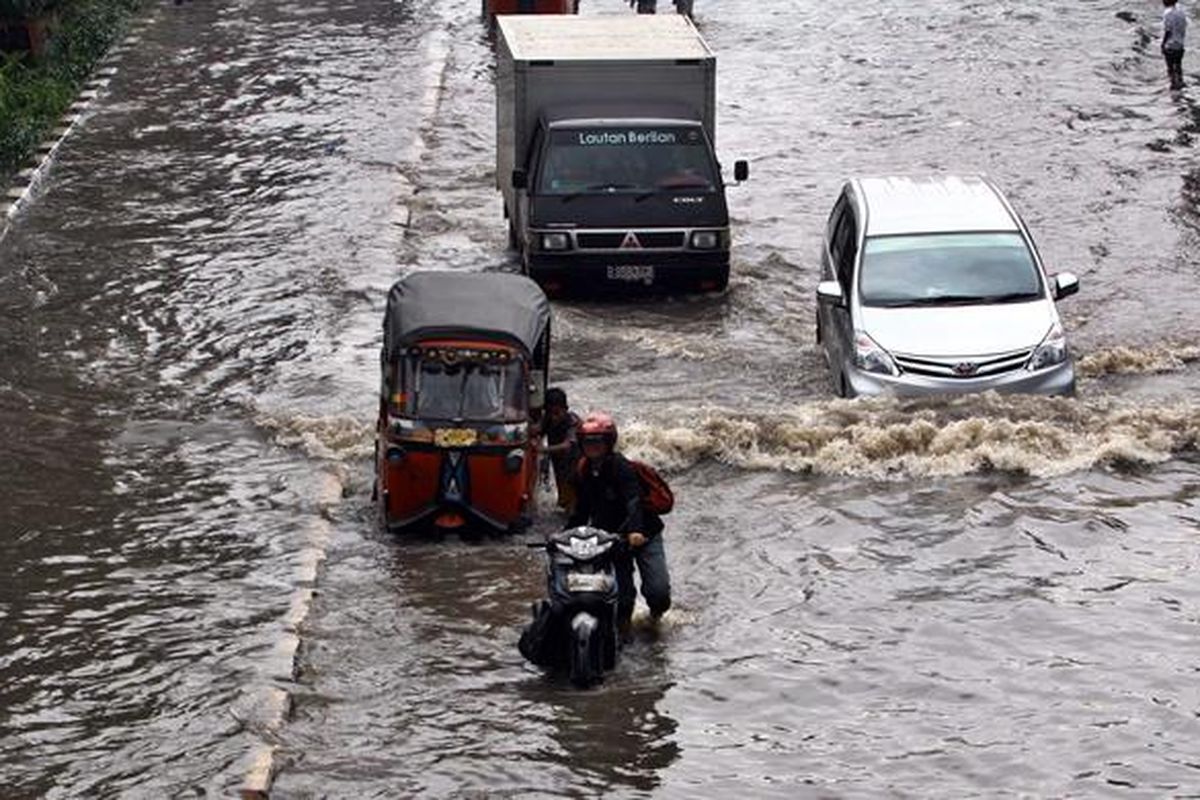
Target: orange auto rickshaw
490,8
465,364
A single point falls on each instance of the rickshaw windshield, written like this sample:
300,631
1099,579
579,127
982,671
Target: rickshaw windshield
470,391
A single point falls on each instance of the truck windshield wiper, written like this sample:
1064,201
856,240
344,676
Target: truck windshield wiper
597,187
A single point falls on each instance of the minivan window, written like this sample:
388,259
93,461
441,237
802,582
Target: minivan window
948,269
846,238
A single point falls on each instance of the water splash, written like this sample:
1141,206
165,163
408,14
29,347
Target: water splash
886,438
1137,361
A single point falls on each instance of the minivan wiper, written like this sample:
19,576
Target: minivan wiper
939,300
597,187
1013,297
957,300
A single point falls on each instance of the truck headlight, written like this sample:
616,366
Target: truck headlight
1052,350
870,357
556,241
705,240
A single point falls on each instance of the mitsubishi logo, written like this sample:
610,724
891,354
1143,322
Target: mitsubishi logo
965,369
631,242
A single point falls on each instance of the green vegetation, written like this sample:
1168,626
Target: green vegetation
34,93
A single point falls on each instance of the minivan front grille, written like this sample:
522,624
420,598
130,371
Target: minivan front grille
964,368
647,240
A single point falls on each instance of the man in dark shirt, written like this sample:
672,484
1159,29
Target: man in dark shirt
562,445
1174,31
610,497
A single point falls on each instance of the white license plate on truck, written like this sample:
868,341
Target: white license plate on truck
631,273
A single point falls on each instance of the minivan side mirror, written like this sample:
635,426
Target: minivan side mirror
831,292
520,179
741,170
1065,285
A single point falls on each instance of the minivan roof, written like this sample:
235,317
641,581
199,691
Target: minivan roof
934,204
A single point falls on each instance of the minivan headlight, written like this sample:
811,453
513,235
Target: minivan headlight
556,241
1052,350
870,357
705,240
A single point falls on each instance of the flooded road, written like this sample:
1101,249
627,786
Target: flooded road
935,598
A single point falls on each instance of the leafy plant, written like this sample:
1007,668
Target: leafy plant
33,96
27,9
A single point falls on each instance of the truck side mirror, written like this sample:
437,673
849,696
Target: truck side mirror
520,179
1065,285
741,170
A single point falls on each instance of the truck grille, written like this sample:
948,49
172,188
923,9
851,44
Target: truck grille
649,240
964,368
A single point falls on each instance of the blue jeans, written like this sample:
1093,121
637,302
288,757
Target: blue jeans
651,560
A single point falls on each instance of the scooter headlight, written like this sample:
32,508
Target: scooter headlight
870,357
556,241
1052,350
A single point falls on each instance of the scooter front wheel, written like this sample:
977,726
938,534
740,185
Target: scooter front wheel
587,651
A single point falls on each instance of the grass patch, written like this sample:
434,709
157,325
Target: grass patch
35,93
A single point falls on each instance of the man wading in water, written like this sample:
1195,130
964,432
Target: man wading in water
610,498
1174,30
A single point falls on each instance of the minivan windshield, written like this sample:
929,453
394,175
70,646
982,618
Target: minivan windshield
464,390
636,159
948,269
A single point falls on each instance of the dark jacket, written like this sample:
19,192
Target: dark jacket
565,431
611,499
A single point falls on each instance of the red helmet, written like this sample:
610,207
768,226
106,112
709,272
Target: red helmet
599,424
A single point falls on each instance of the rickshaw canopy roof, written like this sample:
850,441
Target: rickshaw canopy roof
439,303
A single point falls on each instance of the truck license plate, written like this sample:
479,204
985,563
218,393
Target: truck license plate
631,273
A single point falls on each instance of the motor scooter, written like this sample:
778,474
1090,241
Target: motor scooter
574,630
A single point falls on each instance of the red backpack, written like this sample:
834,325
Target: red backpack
657,497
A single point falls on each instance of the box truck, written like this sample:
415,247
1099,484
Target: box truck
605,129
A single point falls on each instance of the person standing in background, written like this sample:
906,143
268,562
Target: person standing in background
562,447
1174,31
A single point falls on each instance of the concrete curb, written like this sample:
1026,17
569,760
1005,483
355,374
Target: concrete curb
437,61
283,666
261,765
23,188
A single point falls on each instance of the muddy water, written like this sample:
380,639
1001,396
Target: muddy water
926,598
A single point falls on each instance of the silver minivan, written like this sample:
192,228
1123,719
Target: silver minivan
933,285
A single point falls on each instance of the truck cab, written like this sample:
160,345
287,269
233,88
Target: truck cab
605,155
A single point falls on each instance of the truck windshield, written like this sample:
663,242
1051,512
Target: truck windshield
634,159
948,269
464,390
